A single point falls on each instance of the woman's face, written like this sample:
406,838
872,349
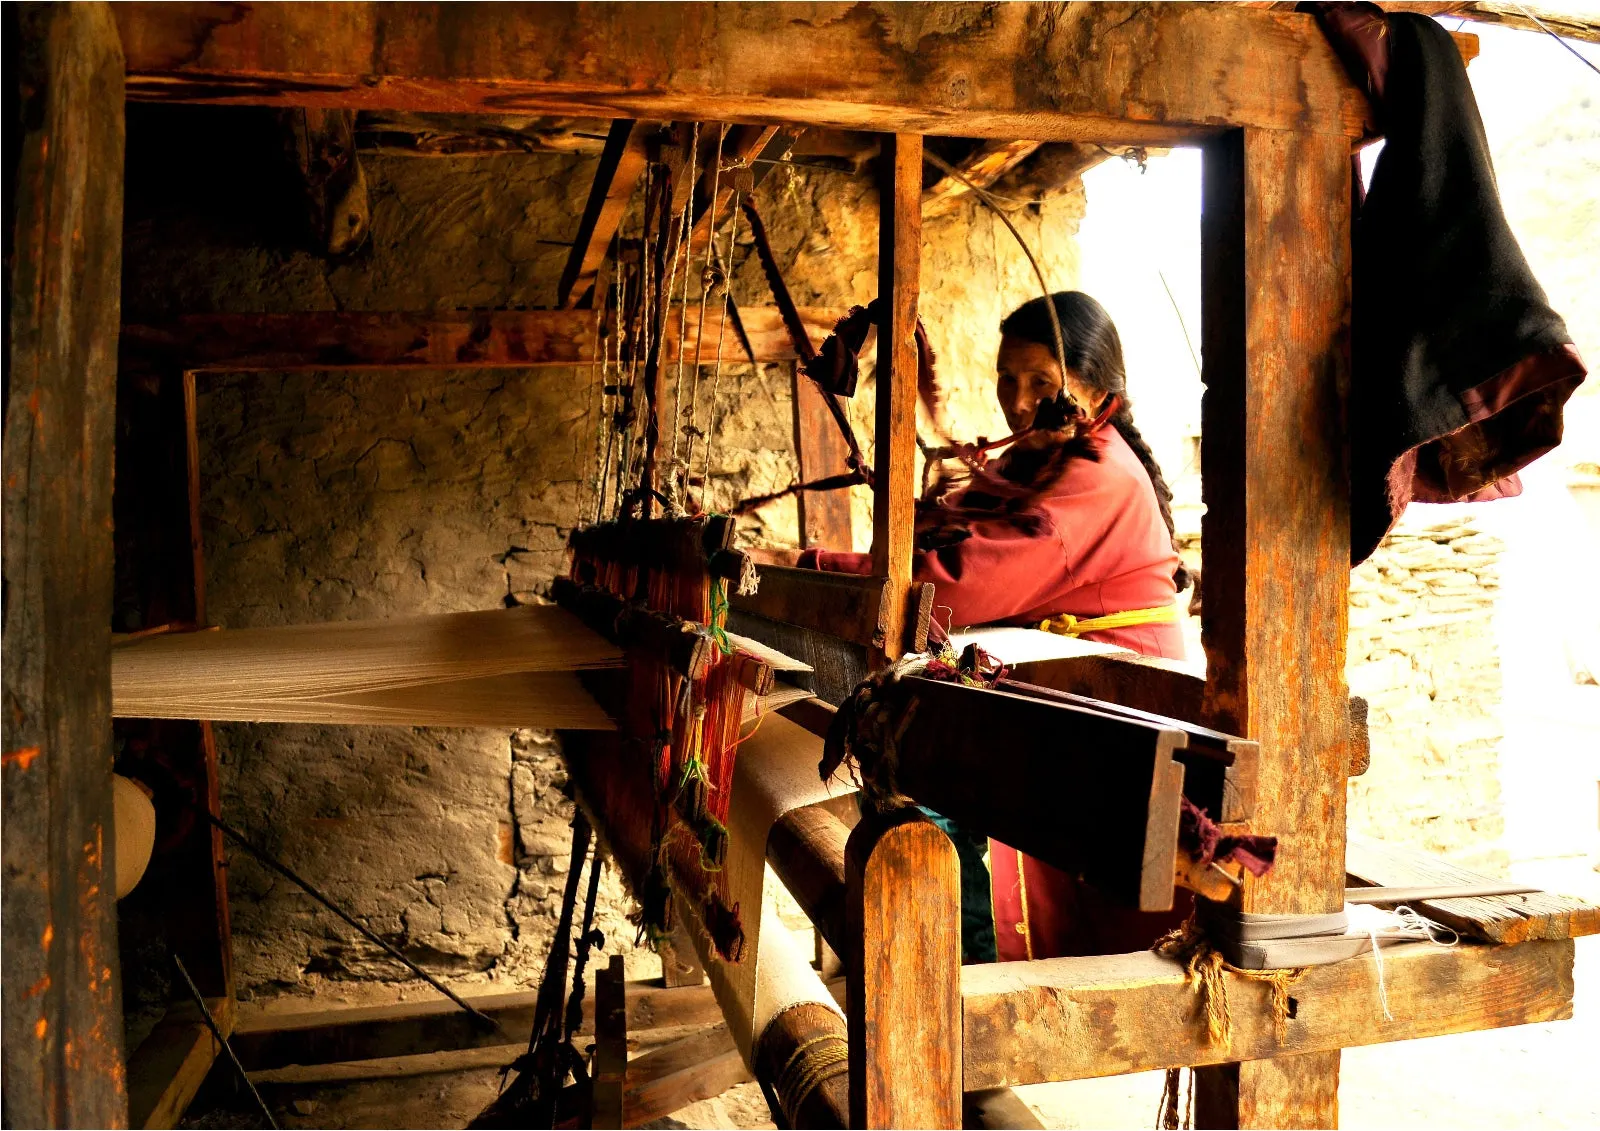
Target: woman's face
1029,376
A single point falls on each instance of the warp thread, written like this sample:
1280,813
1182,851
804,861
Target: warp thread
806,1070
1204,967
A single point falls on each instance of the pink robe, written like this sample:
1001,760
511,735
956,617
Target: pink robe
1091,544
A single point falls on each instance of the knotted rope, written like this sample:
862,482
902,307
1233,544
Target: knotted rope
806,1070
1204,966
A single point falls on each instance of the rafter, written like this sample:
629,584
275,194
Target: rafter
982,168
621,165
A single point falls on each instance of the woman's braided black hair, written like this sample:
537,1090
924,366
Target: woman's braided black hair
1094,353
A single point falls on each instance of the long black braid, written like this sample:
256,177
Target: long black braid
1094,353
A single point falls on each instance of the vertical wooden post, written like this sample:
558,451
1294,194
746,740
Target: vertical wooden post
1276,263
62,1047
895,430
903,973
824,515
610,1044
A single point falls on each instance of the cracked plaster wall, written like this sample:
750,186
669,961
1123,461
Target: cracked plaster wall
338,496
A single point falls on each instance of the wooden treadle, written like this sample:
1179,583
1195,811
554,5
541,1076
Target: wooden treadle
1498,919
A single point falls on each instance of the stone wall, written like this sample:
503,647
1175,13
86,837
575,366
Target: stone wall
1422,652
338,496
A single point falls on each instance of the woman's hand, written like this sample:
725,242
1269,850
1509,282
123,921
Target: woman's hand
767,556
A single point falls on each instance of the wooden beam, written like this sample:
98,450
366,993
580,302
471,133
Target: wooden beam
622,163
894,494
1075,1018
667,1079
1500,919
1102,72
497,339
370,1032
982,167
903,970
1276,293
820,450
843,605
610,1045
62,1016
166,1070
800,1039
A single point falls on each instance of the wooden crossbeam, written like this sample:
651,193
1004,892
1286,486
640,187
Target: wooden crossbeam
1076,1018
622,163
1096,72
330,340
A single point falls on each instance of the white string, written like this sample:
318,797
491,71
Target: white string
1400,924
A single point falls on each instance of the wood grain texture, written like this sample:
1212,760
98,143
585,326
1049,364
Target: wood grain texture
1275,251
903,969
808,1026
982,167
1500,919
672,1077
343,1034
610,1045
622,163
821,450
1102,72
171,1063
62,1018
894,494
843,605
486,339
1074,1018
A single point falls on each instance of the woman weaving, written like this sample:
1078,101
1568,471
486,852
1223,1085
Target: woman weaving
1070,530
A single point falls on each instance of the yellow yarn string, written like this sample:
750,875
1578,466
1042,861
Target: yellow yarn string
803,1074
1065,624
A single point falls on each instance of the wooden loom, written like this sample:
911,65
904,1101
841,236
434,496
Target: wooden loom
1260,92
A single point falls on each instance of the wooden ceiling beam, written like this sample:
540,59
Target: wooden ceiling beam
338,340
622,163
1115,72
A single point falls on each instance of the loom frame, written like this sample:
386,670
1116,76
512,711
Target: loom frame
1259,90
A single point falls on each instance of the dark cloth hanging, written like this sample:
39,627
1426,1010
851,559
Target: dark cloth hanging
1459,368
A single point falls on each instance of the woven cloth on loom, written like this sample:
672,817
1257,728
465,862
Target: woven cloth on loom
776,773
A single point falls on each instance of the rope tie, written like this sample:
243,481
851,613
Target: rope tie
1065,624
805,1071
1204,967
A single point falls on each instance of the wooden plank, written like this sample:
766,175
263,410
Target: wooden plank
170,1064
1276,291
361,1033
1500,919
903,968
674,1076
982,167
610,1045
1133,77
1075,1018
821,450
1091,794
62,1017
894,494
622,163
843,605
485,339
